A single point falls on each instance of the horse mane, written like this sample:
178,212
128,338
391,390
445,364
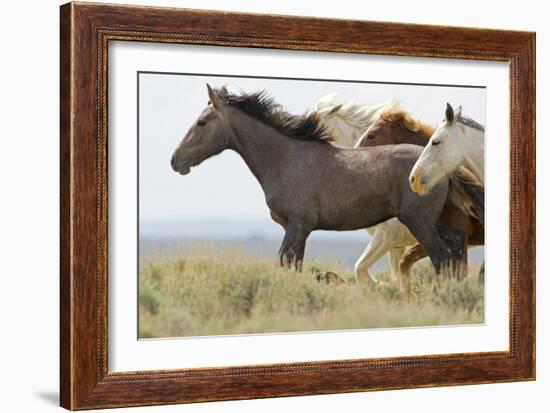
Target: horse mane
356,114
470,122
467,193
397,114
261,106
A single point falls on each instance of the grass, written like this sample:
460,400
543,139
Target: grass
215,292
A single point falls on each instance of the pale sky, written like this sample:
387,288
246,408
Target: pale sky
222,188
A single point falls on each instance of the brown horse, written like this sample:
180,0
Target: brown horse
394,127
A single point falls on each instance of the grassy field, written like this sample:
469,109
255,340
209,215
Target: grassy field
214,291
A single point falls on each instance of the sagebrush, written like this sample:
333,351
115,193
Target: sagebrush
213,292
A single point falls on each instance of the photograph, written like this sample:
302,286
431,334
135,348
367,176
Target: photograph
285,205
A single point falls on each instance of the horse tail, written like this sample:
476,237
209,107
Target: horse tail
468,194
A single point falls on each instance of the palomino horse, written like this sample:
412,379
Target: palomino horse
392,236
457,141
310,184
396,127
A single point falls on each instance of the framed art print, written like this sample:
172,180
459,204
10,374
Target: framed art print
261,206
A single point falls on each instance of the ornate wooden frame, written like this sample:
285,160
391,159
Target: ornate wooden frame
86,30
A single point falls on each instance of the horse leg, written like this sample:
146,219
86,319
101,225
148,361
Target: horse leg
429,238
285,245
394,258
299,247
373,252
463,262
411,255
293,245
481,276
457,241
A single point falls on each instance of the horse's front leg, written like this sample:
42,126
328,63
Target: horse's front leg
300,248
409,257
285,245
375,250
293,246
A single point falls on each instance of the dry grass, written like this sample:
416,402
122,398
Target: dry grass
213,292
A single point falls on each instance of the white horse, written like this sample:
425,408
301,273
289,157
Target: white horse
457,141
348,121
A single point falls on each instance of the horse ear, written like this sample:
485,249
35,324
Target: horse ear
330,110
459,111
335,109
449,113
214,99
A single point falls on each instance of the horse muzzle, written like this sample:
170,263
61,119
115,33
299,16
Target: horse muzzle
180,167
417,181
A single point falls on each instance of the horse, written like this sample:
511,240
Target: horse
347,120
392,236
457,141
310,184
394,127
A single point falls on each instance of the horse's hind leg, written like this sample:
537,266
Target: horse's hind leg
429,238
481,275
457,242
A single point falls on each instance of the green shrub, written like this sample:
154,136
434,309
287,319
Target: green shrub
150,299
215,291
462,295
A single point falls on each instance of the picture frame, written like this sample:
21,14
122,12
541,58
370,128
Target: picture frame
85,34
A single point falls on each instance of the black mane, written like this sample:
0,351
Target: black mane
263,107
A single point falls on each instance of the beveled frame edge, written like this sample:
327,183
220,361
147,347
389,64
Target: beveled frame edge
86,30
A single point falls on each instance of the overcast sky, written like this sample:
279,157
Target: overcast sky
222,188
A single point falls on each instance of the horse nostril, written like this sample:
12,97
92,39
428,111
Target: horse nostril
173,161
412,179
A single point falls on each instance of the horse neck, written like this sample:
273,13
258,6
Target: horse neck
414,138
263,148
474,152
347,134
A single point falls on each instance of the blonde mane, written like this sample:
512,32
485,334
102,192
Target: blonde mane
357,115
396,114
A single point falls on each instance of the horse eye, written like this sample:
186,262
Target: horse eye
371,135
436,142
201,122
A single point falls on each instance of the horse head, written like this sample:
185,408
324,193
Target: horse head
443,154
208,136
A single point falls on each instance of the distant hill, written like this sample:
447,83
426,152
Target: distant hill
231,229
344,251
